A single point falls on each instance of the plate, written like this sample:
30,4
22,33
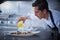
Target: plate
25,34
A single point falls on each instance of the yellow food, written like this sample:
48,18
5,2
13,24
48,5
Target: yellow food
20,24
21,33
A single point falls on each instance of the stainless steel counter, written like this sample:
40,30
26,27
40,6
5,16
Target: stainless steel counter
39,36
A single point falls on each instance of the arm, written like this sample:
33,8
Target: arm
23,18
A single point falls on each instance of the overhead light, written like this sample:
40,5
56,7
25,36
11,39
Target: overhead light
6,5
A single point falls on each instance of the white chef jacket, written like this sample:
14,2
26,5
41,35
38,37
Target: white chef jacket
36,23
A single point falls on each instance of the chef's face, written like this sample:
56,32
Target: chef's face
38,13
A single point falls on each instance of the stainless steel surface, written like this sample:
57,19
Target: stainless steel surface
40,36
1,34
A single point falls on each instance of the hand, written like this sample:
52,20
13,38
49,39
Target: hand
23,19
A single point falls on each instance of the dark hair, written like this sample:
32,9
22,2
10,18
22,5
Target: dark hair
42,4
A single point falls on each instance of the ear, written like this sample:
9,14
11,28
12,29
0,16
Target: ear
44,11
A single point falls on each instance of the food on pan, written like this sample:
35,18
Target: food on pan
21,33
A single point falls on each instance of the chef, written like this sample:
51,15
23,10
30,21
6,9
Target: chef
48,21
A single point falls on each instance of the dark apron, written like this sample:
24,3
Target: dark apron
55,32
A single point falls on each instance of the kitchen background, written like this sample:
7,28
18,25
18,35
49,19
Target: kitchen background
10,11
